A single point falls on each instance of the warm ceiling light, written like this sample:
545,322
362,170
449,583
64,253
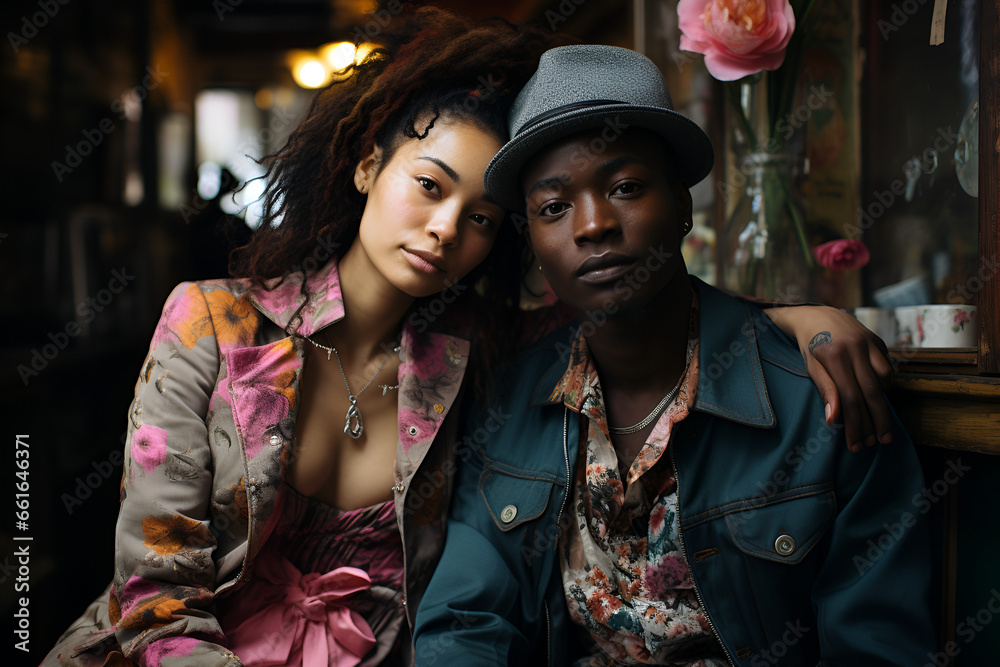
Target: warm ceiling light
309,73
338,56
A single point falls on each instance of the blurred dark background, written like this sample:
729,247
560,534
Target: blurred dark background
123,126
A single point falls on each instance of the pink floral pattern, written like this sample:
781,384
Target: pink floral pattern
149,447
961,317
206,452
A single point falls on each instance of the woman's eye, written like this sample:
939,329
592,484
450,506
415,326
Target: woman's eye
427,184
553,209
480,219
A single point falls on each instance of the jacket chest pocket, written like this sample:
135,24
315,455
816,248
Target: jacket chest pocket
514,499
786,530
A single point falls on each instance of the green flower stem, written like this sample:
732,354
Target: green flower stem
799,222
741,115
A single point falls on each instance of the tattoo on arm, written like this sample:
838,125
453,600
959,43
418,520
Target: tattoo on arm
822,338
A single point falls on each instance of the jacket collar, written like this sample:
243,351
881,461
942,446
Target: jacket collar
283,302
731,380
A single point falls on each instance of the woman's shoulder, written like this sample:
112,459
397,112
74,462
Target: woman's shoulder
201,308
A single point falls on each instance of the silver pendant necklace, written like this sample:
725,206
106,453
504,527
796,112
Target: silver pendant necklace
356,428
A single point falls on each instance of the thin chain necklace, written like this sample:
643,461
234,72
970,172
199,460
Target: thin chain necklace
353,412
648,419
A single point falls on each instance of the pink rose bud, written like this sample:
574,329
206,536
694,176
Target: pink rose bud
842,254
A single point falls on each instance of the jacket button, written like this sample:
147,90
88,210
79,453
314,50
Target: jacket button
412,430
438,408
785,545
275,440
508,514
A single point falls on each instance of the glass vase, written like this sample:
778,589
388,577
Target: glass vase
769,251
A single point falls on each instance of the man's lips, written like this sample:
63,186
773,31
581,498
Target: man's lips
604,267
424,260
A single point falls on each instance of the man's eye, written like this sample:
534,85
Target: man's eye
480,219
629,188
553,209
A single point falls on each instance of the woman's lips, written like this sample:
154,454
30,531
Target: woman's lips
424,261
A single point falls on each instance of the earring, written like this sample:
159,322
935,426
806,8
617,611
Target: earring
688,226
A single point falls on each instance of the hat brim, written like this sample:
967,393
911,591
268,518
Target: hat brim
689,144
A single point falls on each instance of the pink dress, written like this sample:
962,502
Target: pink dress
326,590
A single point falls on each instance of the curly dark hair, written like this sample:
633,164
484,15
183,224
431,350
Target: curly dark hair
428,65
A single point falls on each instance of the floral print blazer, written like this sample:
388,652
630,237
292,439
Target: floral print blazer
209,440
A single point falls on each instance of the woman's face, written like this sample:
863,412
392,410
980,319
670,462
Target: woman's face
428,221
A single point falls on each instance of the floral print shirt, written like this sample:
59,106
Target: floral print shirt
624,570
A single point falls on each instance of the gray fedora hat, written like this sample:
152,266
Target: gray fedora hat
583,87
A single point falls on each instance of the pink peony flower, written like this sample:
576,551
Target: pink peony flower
738,37
842,254
149,447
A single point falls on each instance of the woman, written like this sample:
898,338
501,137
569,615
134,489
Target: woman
289,468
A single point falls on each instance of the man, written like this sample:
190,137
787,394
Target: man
665,475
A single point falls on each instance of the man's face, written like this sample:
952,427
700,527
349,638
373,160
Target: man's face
606,227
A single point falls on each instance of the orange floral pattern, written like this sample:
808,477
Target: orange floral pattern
170,536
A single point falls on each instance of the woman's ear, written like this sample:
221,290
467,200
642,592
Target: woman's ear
365,172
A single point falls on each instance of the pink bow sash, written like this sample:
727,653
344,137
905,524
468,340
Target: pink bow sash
313,624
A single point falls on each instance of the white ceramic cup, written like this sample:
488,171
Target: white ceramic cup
940,325
881,321
906,327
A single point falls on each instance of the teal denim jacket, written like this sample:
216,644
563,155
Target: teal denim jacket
802,552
